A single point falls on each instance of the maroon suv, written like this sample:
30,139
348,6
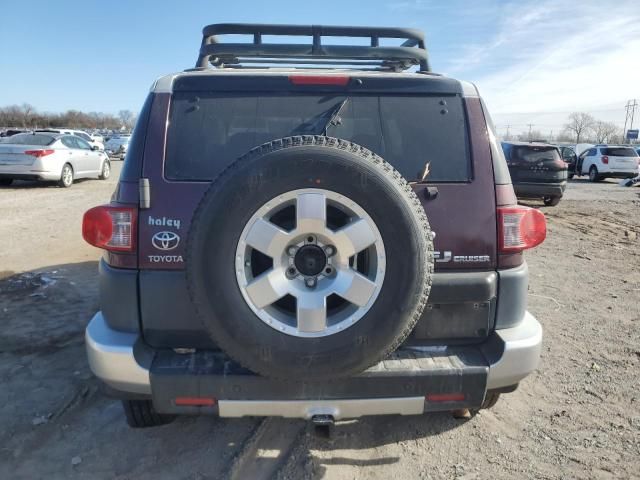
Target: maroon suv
309,242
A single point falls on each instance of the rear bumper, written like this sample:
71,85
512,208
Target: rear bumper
28,172
398,385
535,190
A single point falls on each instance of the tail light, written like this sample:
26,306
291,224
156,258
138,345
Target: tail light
339,80
605,159
520,228
109,227
39,153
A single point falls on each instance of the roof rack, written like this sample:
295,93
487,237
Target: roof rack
373,57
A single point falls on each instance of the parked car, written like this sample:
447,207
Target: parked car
50,156
322,189
11,131
537,170
78,133
97,138
117,146
569,156
608,161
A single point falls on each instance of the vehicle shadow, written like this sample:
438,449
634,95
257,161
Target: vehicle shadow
43,314
585,179
350,443
32,184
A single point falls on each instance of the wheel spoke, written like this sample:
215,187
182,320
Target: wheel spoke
354,238
354,287
311,212
311,312
267,238
267,288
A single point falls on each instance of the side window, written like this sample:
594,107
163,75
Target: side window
591,152
69,142
83,136
568,155
82,144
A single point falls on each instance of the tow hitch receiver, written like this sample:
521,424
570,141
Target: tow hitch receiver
323,425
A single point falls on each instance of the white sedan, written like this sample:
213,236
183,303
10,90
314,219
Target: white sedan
50,157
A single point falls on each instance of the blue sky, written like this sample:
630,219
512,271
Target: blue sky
534,61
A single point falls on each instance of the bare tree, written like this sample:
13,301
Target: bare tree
579,124
26,116
604,131
565,136
27,112
127,117
530,136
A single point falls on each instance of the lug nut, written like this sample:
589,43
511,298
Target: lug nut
330,250
310,282
311,239
291,272
291,251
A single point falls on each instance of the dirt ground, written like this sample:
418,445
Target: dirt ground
576,417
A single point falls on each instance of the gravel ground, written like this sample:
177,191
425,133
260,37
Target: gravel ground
576,417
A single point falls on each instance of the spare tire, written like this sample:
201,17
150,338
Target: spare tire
309,258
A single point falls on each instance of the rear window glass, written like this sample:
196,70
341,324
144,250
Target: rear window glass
29,139
619,152
534,154
208,132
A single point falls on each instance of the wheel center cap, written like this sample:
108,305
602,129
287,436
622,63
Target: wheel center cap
310,260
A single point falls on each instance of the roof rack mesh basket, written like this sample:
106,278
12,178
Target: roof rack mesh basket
255,53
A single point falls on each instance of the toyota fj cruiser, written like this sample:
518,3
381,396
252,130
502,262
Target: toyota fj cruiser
321,243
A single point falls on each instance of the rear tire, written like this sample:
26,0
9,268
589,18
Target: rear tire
551,201
66,176
593,174
141,414
5,182
490,400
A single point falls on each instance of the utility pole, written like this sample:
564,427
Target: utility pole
629,114
530,125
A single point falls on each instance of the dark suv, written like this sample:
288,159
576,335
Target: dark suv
537,170
321,243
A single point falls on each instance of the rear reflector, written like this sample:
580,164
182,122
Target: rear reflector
195,401
520,228
340,80
111,228
445,397
39,153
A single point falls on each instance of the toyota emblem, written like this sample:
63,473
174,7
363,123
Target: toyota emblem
165,240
